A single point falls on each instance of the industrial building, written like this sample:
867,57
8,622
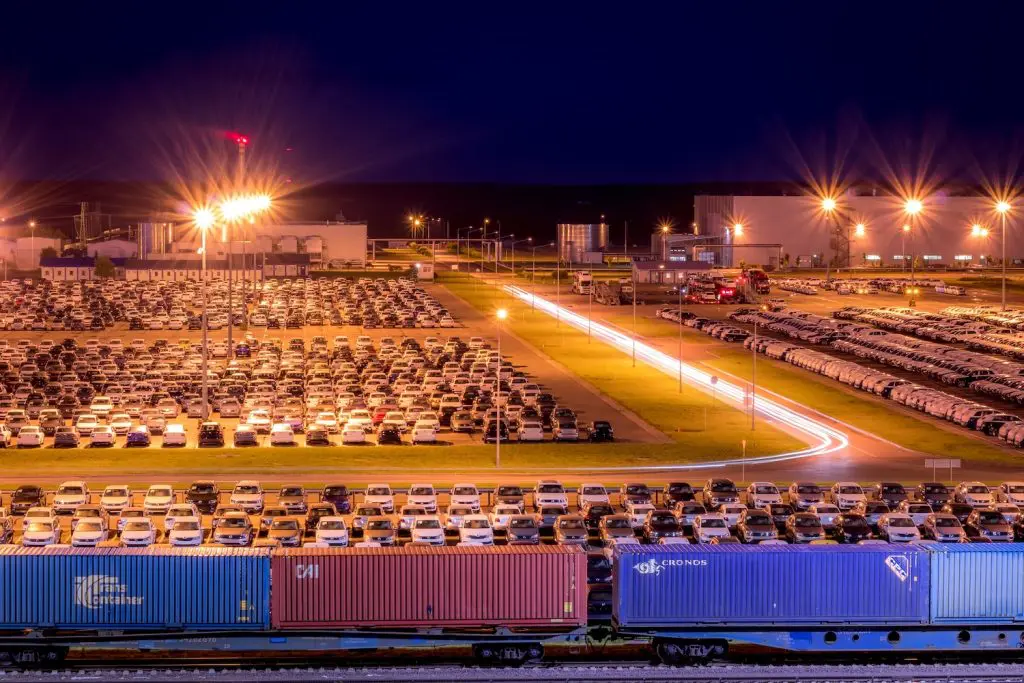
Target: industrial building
582,242
328,243
671,273
857,230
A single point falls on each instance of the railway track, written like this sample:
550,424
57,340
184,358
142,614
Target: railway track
228,671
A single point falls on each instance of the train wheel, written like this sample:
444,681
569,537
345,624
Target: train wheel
508,654
688,653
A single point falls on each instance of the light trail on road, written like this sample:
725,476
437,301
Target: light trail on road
821,438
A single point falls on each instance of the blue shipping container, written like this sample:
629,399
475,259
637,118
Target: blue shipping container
134,588
975,583
683,585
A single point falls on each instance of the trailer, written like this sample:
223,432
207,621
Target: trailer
582,282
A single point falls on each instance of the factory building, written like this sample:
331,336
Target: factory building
860,230
113,249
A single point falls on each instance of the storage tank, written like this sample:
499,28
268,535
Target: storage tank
155,238
575,239
263,244
288,244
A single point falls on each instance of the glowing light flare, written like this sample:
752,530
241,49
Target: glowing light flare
906,228
737,229
859,230
501,314
204,218
828,204
822,438
913,206
1003,207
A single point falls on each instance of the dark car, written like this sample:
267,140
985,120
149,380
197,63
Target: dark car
779,512
755,526
338,496
316,511
892,493
634,493
66,437
804,527
959,510
599,568
508,494
660,524
138,437
678,491
601,430
593,512
720,491
25,497
317,436
850,528
523,530
388,435
934,493
988,524
211,434
204,495
548,515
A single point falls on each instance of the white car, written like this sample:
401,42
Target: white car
917,510
360,418
732,512
710,525
85,424
185,531
352,434
259,420
229,407
531,432
423,432
69,496
500,515
101,406
638,513
179,511
897,527
158,499
155,422
1009,511
120,423
1011,492
380,495
762,493
139,532
249,496
39,532
174,435
102,435
550,492
826,513
424,496
282,434
327,421
974,493
476,529
846,494
427,529
30,436
89,532
592,493
115,498
332,531
467,495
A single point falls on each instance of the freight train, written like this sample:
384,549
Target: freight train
687,603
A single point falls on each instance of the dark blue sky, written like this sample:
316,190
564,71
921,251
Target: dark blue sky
510,92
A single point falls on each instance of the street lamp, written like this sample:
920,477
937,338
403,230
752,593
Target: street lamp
500,315
903,247
1002,208
912,207
513,245
665,230
238,209
204,219
859,230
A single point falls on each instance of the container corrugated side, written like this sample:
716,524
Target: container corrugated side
771,585
134,588
543,586
975,583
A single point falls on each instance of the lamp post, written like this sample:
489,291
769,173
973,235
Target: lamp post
204,220
527,240
912,207
665,229
501,314
828,207
32,231
679,319
633,276
737,231
1003,207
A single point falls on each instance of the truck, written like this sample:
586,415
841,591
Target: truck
758,281
582,282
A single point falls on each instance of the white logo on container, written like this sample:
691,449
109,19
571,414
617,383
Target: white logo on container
653,567
99,590
648,568
898,565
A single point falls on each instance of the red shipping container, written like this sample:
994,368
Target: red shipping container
429,587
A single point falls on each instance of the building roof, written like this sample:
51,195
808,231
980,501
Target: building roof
68,262
671,265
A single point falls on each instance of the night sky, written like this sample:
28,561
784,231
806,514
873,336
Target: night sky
511,92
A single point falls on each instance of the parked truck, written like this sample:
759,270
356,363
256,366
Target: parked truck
582,282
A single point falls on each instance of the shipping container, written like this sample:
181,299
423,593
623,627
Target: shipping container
544,586
137,588
682,585
974,583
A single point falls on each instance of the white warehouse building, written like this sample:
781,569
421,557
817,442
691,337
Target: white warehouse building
861,231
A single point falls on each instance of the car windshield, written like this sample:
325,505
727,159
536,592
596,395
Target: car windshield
291,491
421,491
116,493
990,518
1015,489
522,523
713,524
808,489
593,491
723,487
855,523
233,523
764,520
202,488
249,490
935,488
428,524
573,524
766,490
502,491
947,522
806,522
977,489
40,526
70,490
186,526
902,522
550,488
137,526
89,526
378,491
850,490
637,490
332,525
336,491
379,525
160,493
87,512
476,524
919,509
285,524
892,488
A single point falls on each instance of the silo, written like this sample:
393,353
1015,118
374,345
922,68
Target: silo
288,244
263,244
574,239
314,245
155,238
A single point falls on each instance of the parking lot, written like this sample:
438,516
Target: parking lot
591,514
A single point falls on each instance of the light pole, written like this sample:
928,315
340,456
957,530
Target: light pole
679,319
903,248
528,240
500,315
204,220
753,377
32,231
912,207
558,289
1003,207
632,275
665,229
828,206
